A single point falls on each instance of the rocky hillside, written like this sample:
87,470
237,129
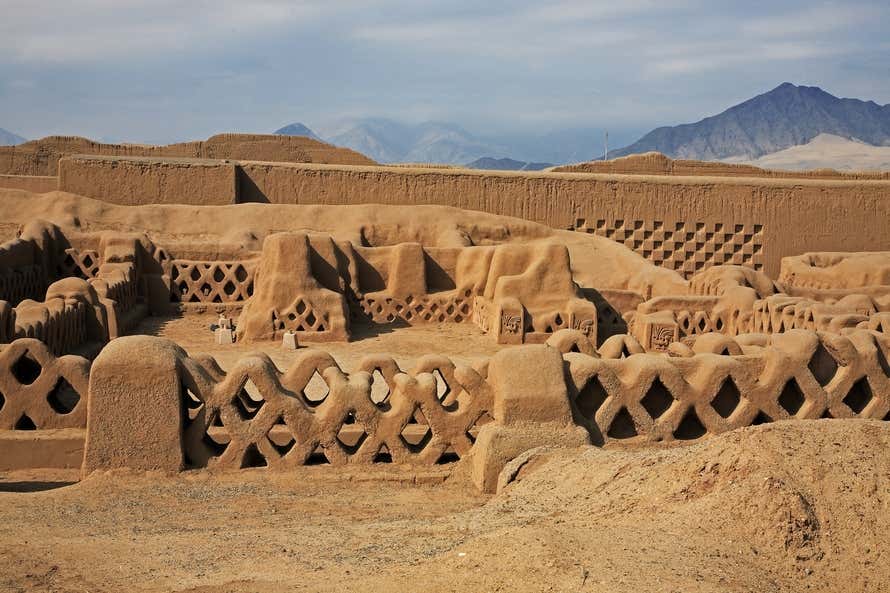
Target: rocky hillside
7,138
786,116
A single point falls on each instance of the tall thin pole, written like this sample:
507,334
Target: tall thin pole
606,143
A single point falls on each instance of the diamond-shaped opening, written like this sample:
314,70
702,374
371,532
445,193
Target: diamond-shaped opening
195,274
442,387
379,389
218,274
191,404
859,395
727,398
761,418
590,398
383,455
823,365
63,398
449,455
217,437
240,273
622,426
690,427
252,457
417,432
310,319
25,423
481,421
352,434
317,457
229,288
281,438
248,401
657,400
87,261
792,398
26,369
316,390
301,306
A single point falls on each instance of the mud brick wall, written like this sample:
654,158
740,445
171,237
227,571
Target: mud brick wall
782,216
31,183
135,181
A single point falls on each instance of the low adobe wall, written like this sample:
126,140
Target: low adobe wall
32,183
683,223
146,404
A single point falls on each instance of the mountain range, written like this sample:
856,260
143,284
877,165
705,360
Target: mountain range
7,138
786,116
389,141
506,164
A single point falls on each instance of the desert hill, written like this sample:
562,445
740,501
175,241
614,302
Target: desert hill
786,116
7,138
826,151
41,157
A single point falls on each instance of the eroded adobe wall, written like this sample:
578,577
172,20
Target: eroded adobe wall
41,157
136,181
32,183
656,163
682,223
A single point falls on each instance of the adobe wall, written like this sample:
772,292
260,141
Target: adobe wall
135,181
31,183
656,163
683,223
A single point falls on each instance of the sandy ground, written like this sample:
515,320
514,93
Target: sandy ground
793,506
461,342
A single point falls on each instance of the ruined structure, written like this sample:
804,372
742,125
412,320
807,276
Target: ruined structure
650,326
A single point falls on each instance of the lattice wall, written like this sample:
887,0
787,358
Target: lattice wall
429,308
211,281
78,263
255,415
801,375
40,391
686,247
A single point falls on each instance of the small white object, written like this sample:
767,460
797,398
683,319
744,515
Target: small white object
224,335
289,341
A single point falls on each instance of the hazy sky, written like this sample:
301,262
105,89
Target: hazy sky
165,70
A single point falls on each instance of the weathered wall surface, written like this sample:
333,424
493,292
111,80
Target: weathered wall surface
134,181
41,157
32,183
684,223
655,163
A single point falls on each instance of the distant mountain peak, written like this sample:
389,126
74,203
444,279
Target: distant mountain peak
788,115
7,138
297,129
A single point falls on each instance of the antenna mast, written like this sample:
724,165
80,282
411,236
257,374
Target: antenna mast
606,143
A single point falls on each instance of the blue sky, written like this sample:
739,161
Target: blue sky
167,70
